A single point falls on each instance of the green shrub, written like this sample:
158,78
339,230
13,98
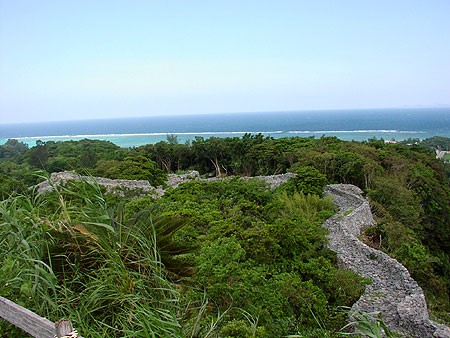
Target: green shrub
137,168
263,252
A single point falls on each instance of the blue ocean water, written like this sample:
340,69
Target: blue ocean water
355,124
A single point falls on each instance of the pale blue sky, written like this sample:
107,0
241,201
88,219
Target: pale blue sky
62,60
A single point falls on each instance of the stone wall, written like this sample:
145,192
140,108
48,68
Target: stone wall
393,292
119,186
275,181
114,186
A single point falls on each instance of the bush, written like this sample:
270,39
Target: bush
137,168
262,252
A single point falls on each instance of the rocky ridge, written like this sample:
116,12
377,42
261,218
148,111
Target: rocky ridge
393,293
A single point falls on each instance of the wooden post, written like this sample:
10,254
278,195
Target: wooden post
65,329
32,323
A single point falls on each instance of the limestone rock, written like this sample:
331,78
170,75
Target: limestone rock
393,292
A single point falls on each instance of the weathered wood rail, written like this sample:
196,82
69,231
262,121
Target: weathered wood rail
32,323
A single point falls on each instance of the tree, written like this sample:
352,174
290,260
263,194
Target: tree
138,168
214,152
309,180
12,148
38,155
172,139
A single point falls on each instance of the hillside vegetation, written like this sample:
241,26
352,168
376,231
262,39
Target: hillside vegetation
227,258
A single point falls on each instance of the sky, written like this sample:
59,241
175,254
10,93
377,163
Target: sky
69,60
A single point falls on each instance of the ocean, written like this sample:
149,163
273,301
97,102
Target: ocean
356,124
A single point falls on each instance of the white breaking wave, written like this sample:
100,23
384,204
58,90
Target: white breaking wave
354,131
147,134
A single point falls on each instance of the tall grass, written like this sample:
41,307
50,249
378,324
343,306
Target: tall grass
24,273
66,254
368,324
25,276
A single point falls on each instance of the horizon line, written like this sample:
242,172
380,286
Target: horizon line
442,106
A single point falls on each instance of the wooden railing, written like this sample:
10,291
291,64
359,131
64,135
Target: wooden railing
34,324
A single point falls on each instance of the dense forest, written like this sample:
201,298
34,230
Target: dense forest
219,258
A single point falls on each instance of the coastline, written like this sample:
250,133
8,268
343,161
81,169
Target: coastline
139,139
359,125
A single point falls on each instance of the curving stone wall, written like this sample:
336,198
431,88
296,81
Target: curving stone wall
393,292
